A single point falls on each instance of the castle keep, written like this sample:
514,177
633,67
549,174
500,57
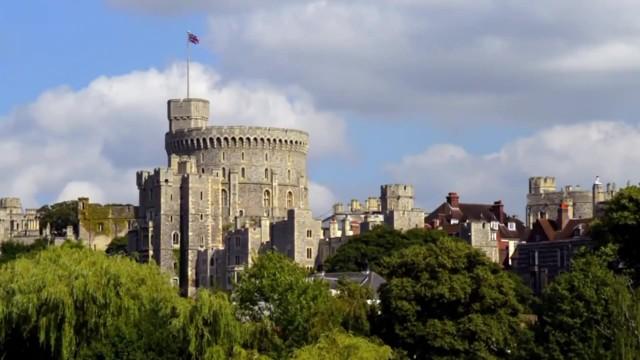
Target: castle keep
225,192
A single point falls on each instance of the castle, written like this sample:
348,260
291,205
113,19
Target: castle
16,223
227,192
544,200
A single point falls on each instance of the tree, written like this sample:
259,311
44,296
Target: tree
59,216
276,293
367,250
620,225
11,250
70,303
118,246
446,300
340,346
589,312
352,302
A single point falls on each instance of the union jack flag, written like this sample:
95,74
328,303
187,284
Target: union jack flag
193,38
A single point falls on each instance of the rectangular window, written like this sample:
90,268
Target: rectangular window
237,260
309,253
100,227
237,242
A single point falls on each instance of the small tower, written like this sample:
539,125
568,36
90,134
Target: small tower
187,114
598,194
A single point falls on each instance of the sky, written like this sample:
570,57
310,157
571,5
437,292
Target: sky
471,96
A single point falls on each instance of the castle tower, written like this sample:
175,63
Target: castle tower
599,194
184,114
542,184
396,197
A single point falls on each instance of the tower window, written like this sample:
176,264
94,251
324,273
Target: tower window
289,175
242,156
224,198
267,199
266,174
266,156
237,260
309,233
223,156
201,195
309,253
212,262
242,173
224,173
289,200
175,238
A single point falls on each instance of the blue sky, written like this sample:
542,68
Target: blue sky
448,97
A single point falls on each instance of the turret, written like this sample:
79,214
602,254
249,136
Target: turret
187,114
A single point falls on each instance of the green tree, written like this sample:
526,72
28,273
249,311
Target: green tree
446,300
276,293
367,250
620,225
340,346
71,303
59,216
118,246
11,250
352,302
589,312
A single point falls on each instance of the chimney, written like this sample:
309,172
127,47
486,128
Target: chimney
563,214
453,199
498,210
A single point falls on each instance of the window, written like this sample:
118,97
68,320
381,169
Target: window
237,242
100,227
242,156
202,240
225,200
212,261
289,200
201,195
242,173
266,156
237,260
494,225
202,156
201,217
171,197
223,156
266,174
170,218
224,173
240,212
309,253
175,239
455,221
512,226
309,233
266,201
289,175
493,236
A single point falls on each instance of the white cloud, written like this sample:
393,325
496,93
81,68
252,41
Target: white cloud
92,140
574,154
321,198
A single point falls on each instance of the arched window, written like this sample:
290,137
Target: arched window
225,199
175,239
267,199
289,200
224,173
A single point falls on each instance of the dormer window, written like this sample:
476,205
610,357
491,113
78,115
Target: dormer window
494,225
511,226
454,221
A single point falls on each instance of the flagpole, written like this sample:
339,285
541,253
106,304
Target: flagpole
188,61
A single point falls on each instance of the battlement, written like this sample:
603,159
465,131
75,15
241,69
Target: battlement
542,184
214,137
187,113
10,203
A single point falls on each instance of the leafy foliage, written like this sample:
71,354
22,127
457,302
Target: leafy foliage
11,250
59,216
446,300
118,246
590,313
367,250
620,225
353,307
340,346
275,292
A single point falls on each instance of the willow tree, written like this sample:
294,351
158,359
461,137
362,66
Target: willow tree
69,303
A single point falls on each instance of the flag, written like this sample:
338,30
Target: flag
193,38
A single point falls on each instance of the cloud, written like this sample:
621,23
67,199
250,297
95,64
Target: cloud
574,154
91,141
321,198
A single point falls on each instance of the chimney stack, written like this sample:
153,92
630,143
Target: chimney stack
498,210
563,214
453,199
